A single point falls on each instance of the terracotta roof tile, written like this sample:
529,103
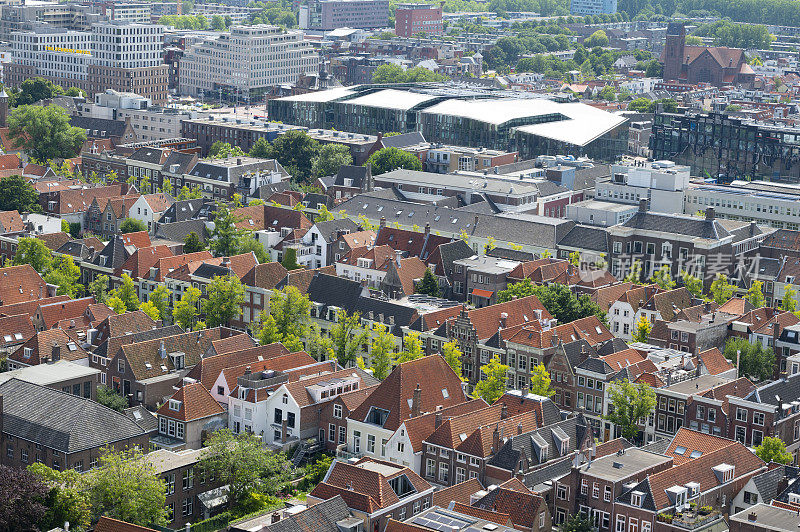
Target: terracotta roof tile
284,362
459,493
20,283
519,503
359,238
11,222
714,361
52,313
29,307
53,241
299,389
533,334
694,442
71,201
194,403
140,262
139,239
208,368
421,427
48,344
15,329
261,217
107,524
487,515
266,275
145,358
231,344
164,265
159,202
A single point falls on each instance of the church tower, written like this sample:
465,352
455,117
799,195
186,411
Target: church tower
674,50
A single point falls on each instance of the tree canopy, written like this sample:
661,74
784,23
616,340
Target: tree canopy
773,450
493,385
16,194
224,298
388,159
558,299
45,132
755,360
132,225
630,404
330,158
391,73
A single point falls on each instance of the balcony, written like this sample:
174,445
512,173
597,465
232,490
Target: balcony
691,518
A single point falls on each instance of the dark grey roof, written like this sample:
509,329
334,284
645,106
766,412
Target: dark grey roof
152,334
614,345
314,199
113,255
511,254
767,483
482,207
523,444
452,251
403,140
330,290
142,417
329,230
658,446
183,210
61,421
176,232
787,390
209,271
183,160
586,237
77,249
357,173
596,365
322,517
677,224
577,351
112,128
644,486
148,154
265,191
552,471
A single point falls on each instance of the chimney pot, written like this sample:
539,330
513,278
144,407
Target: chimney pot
710,213
643,205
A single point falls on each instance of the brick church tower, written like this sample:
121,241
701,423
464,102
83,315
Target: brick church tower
674,50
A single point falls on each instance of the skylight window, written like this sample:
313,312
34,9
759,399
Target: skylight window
445,393
681,450
696,454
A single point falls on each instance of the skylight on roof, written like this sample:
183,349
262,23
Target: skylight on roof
681,450
696,454
445,393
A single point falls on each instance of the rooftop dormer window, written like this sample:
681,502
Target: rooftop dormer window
174,405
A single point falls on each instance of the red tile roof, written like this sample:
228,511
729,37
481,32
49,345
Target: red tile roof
695,441
8,162
260,217
140,262
79,200
533,334
51,314
43,345
20,283
421,427
460,493
487,515
232,344
164,265
107,524
714,361
11,222
208,368
195,403
140,239
15,329
29,307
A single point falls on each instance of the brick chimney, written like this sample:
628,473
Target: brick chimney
710,213
503,411
416,402
437,419
643,205
56,352
495,440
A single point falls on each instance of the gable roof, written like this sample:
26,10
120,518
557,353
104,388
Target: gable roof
208,368
194,402
61,421
421,427
11,222
266,275
439,384
45,344
140,262
20,283
321,517
107,524
150,358
714,361
460,493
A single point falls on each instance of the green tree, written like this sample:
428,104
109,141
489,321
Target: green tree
99,288
127,487
241,462
318,345
452,355
324,214
185,311
348,336
789,301
218,23
630,404
654,69
65,274
33,90
116,304
223,150
226,235
388,159
66,502
575,258
108,397
635,274
412,348
557,298
132,225
295,150
248,244
755,294
642,331
44,132
721,289
330,158
33,251
773,450
518,290
187,193
598,38
493,382
224,299
428,285
540,381
150,309
663,278
127,293
577,523
192,243
755,361
64,226
159,298
261,149
288,317
693,284
289,260
639,105
382,355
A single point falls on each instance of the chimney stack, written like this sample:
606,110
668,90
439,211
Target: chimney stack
519,429
643,205
248,370
437,419
383,221
710,213
427,228
503,319
503,411
56,352
416,402
495,440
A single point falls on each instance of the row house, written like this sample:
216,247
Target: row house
191,495
323,237
411,389
366,265
186,417
149,209
460,447
710,412
333,416
480,278
376,491
476,331
648,302
51,345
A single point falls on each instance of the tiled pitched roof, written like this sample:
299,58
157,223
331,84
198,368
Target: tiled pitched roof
194,403
515,500
52,313
71,201
740,387
605,296
411,242
159,202
110,346
116,325
409,270
208,368
379,255
480,513
696,444
121,206
460,493
368,479
61,421
421,427
107,524
43,345
15,329
232,344
301,279
20,283
487,320
10,161
439,384
714,361
53,241
533,334
29,307
139,239
260,217
321,517
164,265
11,222
299,389
142,260
360,238
266,275
294,365
351,400
146,360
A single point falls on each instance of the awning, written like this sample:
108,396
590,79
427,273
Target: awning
482,293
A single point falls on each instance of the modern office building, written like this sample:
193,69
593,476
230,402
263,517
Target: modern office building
592,7
530,126
331,14
244,63
411,19
39,15
120,56
725,147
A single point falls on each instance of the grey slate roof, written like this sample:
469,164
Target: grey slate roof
596,365
787,390
61,421
329,229
578,350
403,140
183,210
767,483
142,417
265,191
532,230
176,232
510,254
114,254
452,251
113,128
148,155
677,224
357,173
586,237
152,334
614,345
644,486
321,517
183,160
658,446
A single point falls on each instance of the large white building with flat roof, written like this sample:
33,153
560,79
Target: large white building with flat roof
247,61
